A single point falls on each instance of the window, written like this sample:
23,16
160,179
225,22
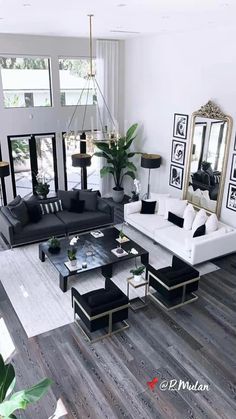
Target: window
31,155
25,81
73,82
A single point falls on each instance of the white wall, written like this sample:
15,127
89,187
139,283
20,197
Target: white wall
177,73
42,120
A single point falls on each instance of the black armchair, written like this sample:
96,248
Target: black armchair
101,308
174,284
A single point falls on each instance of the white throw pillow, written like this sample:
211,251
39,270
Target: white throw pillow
189,216
212,223
200,219
175,205
161,202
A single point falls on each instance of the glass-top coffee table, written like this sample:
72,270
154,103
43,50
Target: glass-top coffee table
101,255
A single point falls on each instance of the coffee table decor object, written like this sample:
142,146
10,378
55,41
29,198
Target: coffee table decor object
73,268
97,234
119,252
102,257
54,245
122,240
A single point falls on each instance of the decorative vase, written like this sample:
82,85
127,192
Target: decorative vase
137,278
118,194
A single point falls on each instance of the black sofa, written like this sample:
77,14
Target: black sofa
97,213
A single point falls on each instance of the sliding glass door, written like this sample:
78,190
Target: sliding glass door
31,155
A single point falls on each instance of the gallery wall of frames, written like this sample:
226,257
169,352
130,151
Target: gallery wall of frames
178,150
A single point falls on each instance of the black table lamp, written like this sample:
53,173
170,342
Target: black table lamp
82,160
4,172
150,161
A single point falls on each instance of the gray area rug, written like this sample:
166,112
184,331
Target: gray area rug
33,286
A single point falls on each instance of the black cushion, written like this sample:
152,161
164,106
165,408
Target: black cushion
200,231
90,198
66,197
104,297
148,207
77,206
175,219
20,212
34,211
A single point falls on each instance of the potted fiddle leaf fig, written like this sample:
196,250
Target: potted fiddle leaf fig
118,161
10,402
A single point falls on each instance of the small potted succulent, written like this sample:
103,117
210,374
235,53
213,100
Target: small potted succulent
137,272
54,245
71,253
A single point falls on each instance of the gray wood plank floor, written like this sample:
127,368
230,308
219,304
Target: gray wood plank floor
108,379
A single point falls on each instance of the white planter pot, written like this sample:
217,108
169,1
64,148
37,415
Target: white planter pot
73,262
137,278
117,195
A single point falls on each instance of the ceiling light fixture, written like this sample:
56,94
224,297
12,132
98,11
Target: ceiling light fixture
121,5
107,127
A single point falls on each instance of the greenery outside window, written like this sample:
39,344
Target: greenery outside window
73,76
26,81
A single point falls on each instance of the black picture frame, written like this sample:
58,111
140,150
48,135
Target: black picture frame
176,176
179,158
235,143
180,127
233,169
231,201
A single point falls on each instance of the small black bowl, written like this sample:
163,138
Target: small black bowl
54,250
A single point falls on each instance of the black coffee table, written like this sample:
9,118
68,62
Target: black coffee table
102,256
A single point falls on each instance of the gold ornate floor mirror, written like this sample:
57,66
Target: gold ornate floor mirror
207,158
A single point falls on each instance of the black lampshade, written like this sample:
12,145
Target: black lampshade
4,169
81,160
150,161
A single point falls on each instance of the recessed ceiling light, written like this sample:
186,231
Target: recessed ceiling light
26,4
165,17
121,5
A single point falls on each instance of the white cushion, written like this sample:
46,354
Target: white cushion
148,222
175,205
199,220
211,224
189,216
161,202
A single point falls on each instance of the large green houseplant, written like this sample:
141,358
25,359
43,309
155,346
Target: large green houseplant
9,402
118,161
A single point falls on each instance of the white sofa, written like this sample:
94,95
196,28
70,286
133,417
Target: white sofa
180,241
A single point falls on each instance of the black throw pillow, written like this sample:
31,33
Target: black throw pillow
34,211
175,219
20,212
104,297
66,197
148,207
200,231
77,206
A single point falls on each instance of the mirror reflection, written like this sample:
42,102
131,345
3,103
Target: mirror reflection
206,162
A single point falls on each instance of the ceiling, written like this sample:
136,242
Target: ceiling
113,18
